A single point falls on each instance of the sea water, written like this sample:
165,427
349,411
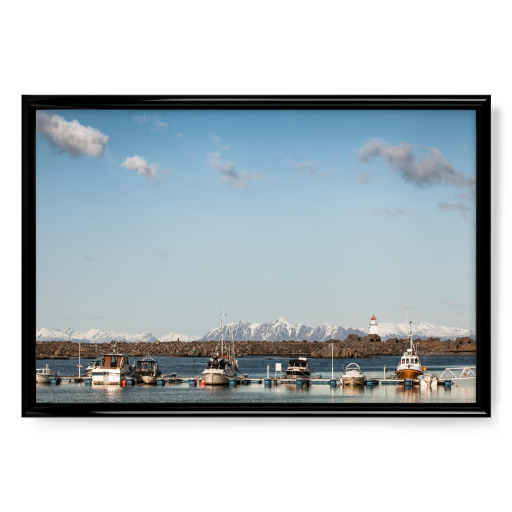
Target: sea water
462,391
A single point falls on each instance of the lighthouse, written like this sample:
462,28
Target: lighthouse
373,326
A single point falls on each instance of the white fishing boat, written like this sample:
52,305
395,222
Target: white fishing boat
44,375
112,369
298,367
220,368
353,376
410,367
147,370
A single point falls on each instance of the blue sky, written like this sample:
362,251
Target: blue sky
149,220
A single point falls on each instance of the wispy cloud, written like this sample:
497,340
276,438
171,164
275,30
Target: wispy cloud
161,254
423,171
71,136
179,135
390,212
305,164
363,179
458,206
308,165
140,165
85,257
153,120
215,138
451,304
228,175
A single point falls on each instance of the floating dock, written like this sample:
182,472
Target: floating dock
266,381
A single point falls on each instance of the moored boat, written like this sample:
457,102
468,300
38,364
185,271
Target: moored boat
147,370
220,368
353,376
298,367
409,367
45,375
112,369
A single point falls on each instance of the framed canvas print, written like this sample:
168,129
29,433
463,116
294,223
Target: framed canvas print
314,255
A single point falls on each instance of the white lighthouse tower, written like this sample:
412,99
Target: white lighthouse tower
373,326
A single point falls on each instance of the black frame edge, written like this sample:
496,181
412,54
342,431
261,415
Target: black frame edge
480,103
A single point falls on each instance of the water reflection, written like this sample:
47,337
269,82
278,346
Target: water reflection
352,390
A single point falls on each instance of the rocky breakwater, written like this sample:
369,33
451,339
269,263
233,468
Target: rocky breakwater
352,347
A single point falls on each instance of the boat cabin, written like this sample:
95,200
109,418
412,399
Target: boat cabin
44,371
217,363
113,361
410,360
147,366
301,363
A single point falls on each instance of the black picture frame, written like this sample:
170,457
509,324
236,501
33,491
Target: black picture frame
481,104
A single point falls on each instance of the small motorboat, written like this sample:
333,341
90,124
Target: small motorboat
298,367
353,376
45,375
147,370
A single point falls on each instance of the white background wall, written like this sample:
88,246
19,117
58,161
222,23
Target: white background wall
371,47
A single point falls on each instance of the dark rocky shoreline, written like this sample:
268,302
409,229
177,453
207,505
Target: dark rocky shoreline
352,347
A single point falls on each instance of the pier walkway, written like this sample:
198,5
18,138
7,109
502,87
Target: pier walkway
267,382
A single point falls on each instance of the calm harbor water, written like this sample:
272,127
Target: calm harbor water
256,367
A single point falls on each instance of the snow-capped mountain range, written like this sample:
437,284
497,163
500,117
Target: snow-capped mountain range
97,336
277,330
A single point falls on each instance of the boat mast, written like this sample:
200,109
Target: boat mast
233,341
222,315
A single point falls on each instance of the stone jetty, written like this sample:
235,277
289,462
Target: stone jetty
352,347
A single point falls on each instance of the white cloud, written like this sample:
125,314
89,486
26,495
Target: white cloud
363,179
228,175
215,138
155,121
141,166
71,136
427,170
179,135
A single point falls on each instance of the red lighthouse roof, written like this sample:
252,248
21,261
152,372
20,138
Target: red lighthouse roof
373,318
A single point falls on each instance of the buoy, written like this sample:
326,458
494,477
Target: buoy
123,382
203,383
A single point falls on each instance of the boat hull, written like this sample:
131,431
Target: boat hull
216,379
102,378
44,379
408,373
297,374
149,379
353,381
